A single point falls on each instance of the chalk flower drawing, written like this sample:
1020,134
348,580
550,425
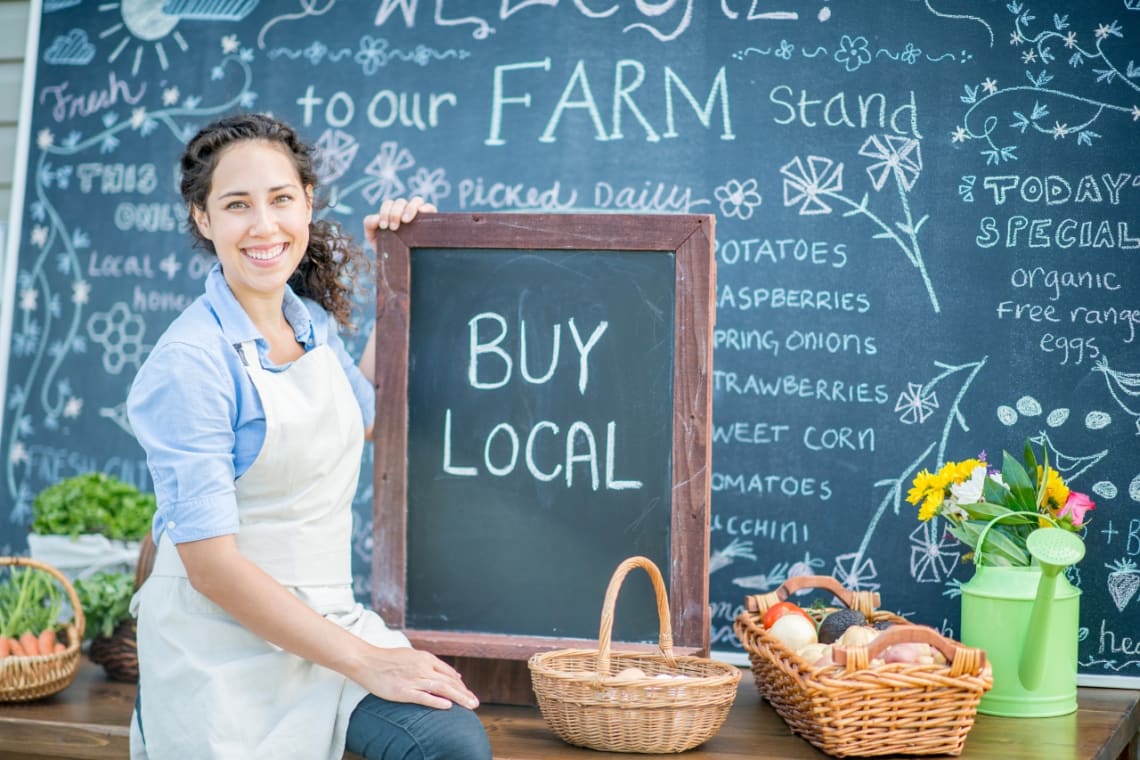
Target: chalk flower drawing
1124,82
856,572
385,169
431,185
821,176
738,198
916,404
853,52
932,556
898,157
820,180
335,151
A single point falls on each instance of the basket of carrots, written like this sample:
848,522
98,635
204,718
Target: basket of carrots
39,655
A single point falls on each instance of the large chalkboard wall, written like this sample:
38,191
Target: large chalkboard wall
928,223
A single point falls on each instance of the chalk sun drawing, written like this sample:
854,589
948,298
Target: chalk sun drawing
144,21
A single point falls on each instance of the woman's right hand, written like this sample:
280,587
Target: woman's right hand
412,675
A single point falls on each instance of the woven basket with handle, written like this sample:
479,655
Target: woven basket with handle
858,707
673,704
26,678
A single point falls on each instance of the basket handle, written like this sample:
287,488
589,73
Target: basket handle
962,659
77,608
605,631
863,601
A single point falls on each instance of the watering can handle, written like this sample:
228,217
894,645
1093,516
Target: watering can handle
851,599
1026,516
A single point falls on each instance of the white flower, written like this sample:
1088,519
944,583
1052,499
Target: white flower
971,491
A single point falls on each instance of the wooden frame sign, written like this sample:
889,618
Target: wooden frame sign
543,412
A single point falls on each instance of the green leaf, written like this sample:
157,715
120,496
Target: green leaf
1023,494
994,492
93,503
999,549
1028,457
985,510
30,600
106,600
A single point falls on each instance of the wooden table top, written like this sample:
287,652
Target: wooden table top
89,720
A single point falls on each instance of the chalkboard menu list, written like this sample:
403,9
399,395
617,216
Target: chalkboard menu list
926,222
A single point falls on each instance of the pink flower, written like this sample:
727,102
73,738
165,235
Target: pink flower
1076,506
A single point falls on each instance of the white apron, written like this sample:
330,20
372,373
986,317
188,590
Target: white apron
208,687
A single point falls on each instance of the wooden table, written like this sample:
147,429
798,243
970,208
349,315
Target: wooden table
89,720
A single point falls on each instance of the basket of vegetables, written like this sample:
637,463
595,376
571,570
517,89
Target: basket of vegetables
855,680
39,656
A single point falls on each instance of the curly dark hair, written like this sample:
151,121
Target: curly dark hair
333,262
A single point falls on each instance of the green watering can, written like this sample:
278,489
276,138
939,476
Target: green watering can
1026,619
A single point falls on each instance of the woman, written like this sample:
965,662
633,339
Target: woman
253,418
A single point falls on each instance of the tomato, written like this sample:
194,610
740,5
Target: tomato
778,610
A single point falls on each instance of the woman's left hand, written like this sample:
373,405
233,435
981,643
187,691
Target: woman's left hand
394,212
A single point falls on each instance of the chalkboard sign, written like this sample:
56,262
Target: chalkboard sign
543,414
926,237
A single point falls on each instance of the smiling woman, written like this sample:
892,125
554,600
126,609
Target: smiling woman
253,417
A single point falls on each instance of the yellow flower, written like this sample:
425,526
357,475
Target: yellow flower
930,506
1056,492
965,469
921,485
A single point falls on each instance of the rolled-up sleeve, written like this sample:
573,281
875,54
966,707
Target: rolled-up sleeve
182,409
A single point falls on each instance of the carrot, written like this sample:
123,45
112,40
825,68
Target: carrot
46,640
16,649
59,648
30,644
4,648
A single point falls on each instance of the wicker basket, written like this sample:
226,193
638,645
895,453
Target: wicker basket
27,678
585,704
118,653
858,709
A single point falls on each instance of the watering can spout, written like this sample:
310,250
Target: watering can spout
1054,549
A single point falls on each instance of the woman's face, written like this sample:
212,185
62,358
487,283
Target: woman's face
257,216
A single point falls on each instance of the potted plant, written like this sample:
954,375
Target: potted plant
89,523
106,600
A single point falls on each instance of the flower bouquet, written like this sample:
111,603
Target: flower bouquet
999,507
1017,607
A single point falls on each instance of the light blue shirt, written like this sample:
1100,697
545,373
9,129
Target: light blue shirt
196,413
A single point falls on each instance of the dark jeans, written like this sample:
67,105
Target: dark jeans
382,730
